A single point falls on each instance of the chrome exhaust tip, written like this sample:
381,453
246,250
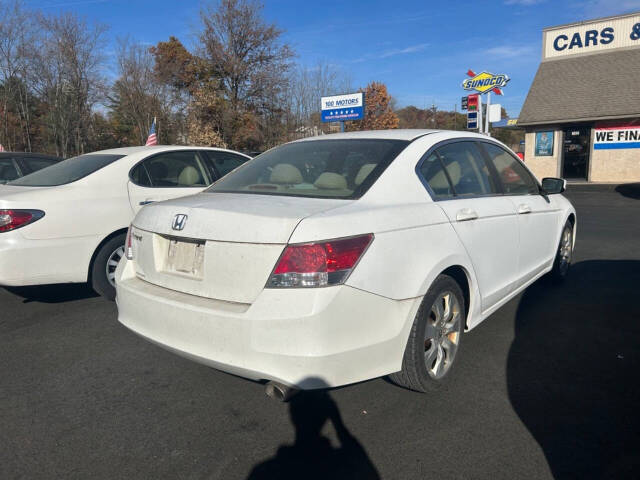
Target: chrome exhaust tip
279,392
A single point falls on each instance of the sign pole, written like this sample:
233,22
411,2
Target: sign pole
479,113
486,127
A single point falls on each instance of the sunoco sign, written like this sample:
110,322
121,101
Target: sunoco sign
485,82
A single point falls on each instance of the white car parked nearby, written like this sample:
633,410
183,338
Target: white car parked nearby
67,222
341,258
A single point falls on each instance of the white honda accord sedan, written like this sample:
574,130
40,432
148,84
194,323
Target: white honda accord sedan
341,258
67,222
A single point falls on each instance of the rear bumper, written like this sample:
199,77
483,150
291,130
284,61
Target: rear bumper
35,262
306,338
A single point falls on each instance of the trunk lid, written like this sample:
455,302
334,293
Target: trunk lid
15,196
227,246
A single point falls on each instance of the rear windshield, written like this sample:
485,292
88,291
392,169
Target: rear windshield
314,168
67,171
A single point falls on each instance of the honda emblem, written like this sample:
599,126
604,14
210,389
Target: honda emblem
179,221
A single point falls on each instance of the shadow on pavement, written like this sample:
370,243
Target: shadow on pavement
572,370
59,293
312,455
630,190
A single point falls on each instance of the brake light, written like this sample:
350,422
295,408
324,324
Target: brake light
12,219
128,246
318,264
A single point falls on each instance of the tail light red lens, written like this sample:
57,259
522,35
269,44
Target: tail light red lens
16,218
318,264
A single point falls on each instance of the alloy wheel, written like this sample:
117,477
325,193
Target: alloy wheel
442,335
566,250
112,264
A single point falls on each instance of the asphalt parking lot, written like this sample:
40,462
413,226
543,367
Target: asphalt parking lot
548,387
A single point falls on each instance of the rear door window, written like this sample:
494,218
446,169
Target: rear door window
433,172
515,178
222,163
8,170
171,169
140,176
467,170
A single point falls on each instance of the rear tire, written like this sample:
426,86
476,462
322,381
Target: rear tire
564,255
103,269
434,339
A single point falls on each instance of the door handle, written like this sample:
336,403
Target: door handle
524,208
146,202
466,214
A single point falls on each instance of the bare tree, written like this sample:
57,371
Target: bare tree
67,70
248,57
16,52
137,95
306,87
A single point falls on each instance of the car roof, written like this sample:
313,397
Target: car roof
156,148
396,134
28,155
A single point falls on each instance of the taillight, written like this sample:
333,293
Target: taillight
318,264
128,246
12,219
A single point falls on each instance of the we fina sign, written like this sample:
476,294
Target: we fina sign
485,82
610,138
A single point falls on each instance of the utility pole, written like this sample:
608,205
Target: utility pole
434,110
455,116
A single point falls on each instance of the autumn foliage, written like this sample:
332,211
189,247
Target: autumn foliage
378,114
236,85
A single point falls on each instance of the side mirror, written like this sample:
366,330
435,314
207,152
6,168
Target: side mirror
552,185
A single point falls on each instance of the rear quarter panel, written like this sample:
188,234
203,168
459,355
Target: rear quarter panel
82,213
412,245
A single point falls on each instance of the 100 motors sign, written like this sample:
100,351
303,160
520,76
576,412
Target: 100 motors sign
339,108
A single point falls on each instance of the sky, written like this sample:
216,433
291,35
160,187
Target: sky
420,49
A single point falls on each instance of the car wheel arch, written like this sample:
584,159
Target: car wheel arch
99,246
461,276
572,218
461,270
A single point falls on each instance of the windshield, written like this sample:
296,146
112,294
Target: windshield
67,171
314,168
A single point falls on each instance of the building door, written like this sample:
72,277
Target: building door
575,151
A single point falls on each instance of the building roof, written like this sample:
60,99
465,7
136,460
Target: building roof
584,88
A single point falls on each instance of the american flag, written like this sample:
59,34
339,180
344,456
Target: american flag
152,139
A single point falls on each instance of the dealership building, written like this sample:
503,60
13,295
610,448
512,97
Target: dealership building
582,113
